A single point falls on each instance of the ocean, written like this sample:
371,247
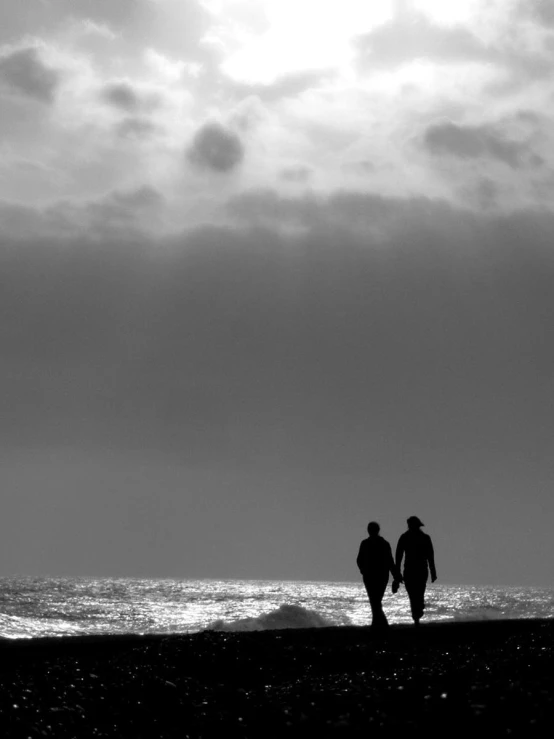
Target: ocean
32,606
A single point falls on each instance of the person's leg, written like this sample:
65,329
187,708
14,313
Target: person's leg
423,586
408,584
375,592
413,588
419,592
418,585
380,592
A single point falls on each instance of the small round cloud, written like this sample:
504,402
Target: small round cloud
216,148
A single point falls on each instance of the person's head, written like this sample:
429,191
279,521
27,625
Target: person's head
414,523
373,528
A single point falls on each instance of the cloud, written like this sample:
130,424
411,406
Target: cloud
540,10
474,142
107,128
90,28
414,36
24,72
131,98
285,86
394,319
122,95
496,36
122,215
139,115
136,128
298,173
216,148
308,340
405,342
128,214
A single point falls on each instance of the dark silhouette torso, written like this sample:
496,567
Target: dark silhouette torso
417,550
375,559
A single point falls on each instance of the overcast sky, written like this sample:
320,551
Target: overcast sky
271,269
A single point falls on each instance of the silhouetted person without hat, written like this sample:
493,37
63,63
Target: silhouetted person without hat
375,562
419,558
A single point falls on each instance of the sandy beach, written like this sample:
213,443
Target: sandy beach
443,679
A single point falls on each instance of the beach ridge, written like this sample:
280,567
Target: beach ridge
488,675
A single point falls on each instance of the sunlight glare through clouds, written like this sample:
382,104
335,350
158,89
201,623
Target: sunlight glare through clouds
302,35
342,91
448,13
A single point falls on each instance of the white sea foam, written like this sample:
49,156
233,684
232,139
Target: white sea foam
288,616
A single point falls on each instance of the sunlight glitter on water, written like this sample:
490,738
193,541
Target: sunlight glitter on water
63,606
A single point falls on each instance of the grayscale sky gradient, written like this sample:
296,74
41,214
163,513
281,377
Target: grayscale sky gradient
271,269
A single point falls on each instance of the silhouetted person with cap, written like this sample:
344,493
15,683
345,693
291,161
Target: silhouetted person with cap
375,562
416,549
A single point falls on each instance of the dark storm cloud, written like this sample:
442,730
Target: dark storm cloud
119,215
355,213
20,222
123,213
226,328
24,72
395,351
122,95
475,142
216,148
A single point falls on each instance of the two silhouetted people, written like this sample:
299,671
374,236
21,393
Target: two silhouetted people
416,549
375,562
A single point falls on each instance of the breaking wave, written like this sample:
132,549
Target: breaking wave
285,617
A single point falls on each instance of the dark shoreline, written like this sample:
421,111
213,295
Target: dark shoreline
493,676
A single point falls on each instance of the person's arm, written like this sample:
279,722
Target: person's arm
399,554
360,558
431,560
394,570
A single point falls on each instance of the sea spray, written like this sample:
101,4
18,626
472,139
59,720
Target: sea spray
287,616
